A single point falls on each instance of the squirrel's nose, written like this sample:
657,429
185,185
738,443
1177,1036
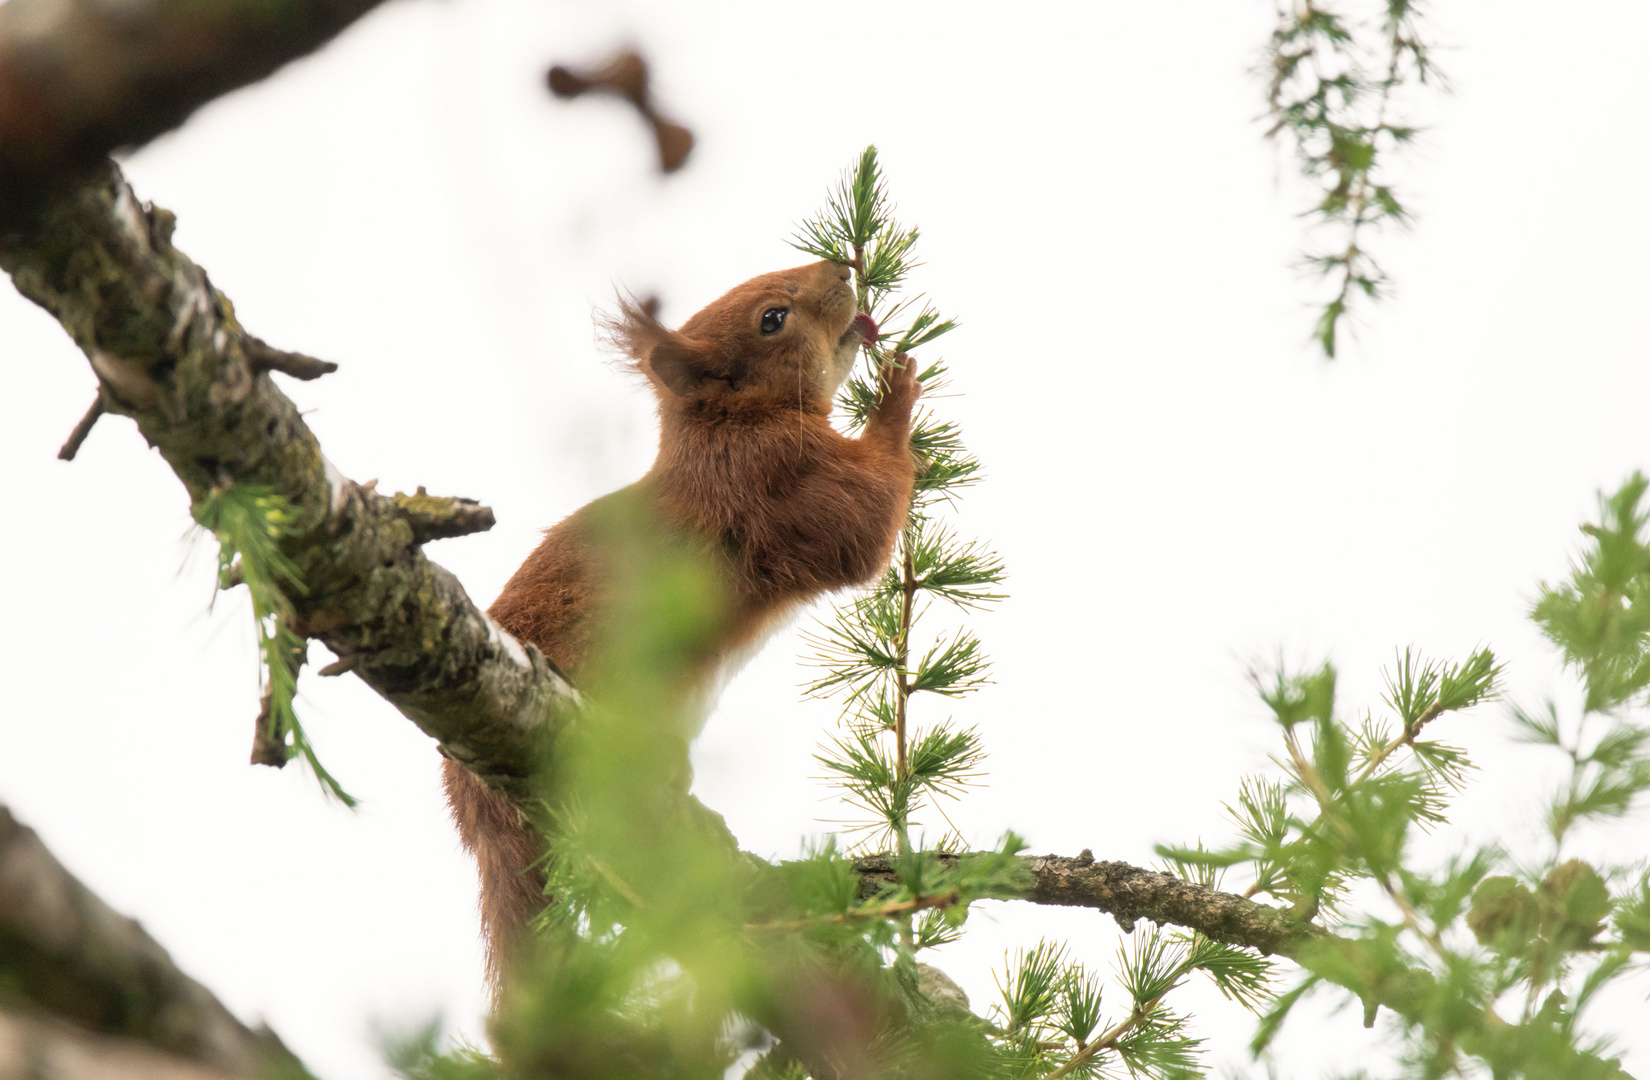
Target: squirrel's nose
843,271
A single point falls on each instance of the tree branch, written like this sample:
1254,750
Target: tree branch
435,518
266,357
169,353
71,445
65,951
82,78
1129,893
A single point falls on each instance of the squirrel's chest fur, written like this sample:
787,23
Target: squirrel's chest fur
743,497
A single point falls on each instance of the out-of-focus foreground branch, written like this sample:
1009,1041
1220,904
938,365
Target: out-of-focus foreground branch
66,953
82,78
169,353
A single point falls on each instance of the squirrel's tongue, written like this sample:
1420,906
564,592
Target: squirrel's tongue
867,328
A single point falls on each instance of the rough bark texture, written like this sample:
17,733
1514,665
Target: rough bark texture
82,78
169,353
65,952
1129,893
434,518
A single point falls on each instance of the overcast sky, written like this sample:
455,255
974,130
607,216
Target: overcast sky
1179,485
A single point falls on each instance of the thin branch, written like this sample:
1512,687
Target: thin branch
341,666
1109,1040
902,688
266,357
1404,738
435,518
269,745
72,446
69,954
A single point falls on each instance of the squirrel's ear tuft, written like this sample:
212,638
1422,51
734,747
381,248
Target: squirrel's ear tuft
632,331
668,360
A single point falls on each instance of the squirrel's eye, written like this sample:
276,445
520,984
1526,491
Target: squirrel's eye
773,319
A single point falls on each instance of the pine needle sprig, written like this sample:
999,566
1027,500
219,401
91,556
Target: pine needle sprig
859,648
959,571
891,767
867,649
249,523
926,327
1332,85
1031,988
951,668
1050,1008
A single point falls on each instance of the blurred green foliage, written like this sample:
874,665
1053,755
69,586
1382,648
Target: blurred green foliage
1488,961
1339,86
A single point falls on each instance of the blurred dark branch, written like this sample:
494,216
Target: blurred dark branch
80,79
625,76
169,353
34,1045
67,953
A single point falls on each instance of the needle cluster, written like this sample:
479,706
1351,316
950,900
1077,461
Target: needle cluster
1338,89
249,523
878,651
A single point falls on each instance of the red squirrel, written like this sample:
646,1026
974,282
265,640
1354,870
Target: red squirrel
750,470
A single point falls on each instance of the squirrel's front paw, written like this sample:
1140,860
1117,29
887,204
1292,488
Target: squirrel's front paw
899,388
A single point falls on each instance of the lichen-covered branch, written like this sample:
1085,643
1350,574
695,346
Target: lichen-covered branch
64,951
82,78
435,518
169,353
1129,893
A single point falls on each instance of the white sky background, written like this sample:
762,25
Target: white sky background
1178,484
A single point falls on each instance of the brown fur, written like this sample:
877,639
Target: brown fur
751,471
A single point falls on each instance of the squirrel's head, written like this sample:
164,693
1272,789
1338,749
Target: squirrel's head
786,339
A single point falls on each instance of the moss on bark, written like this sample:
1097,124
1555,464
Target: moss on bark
170,354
